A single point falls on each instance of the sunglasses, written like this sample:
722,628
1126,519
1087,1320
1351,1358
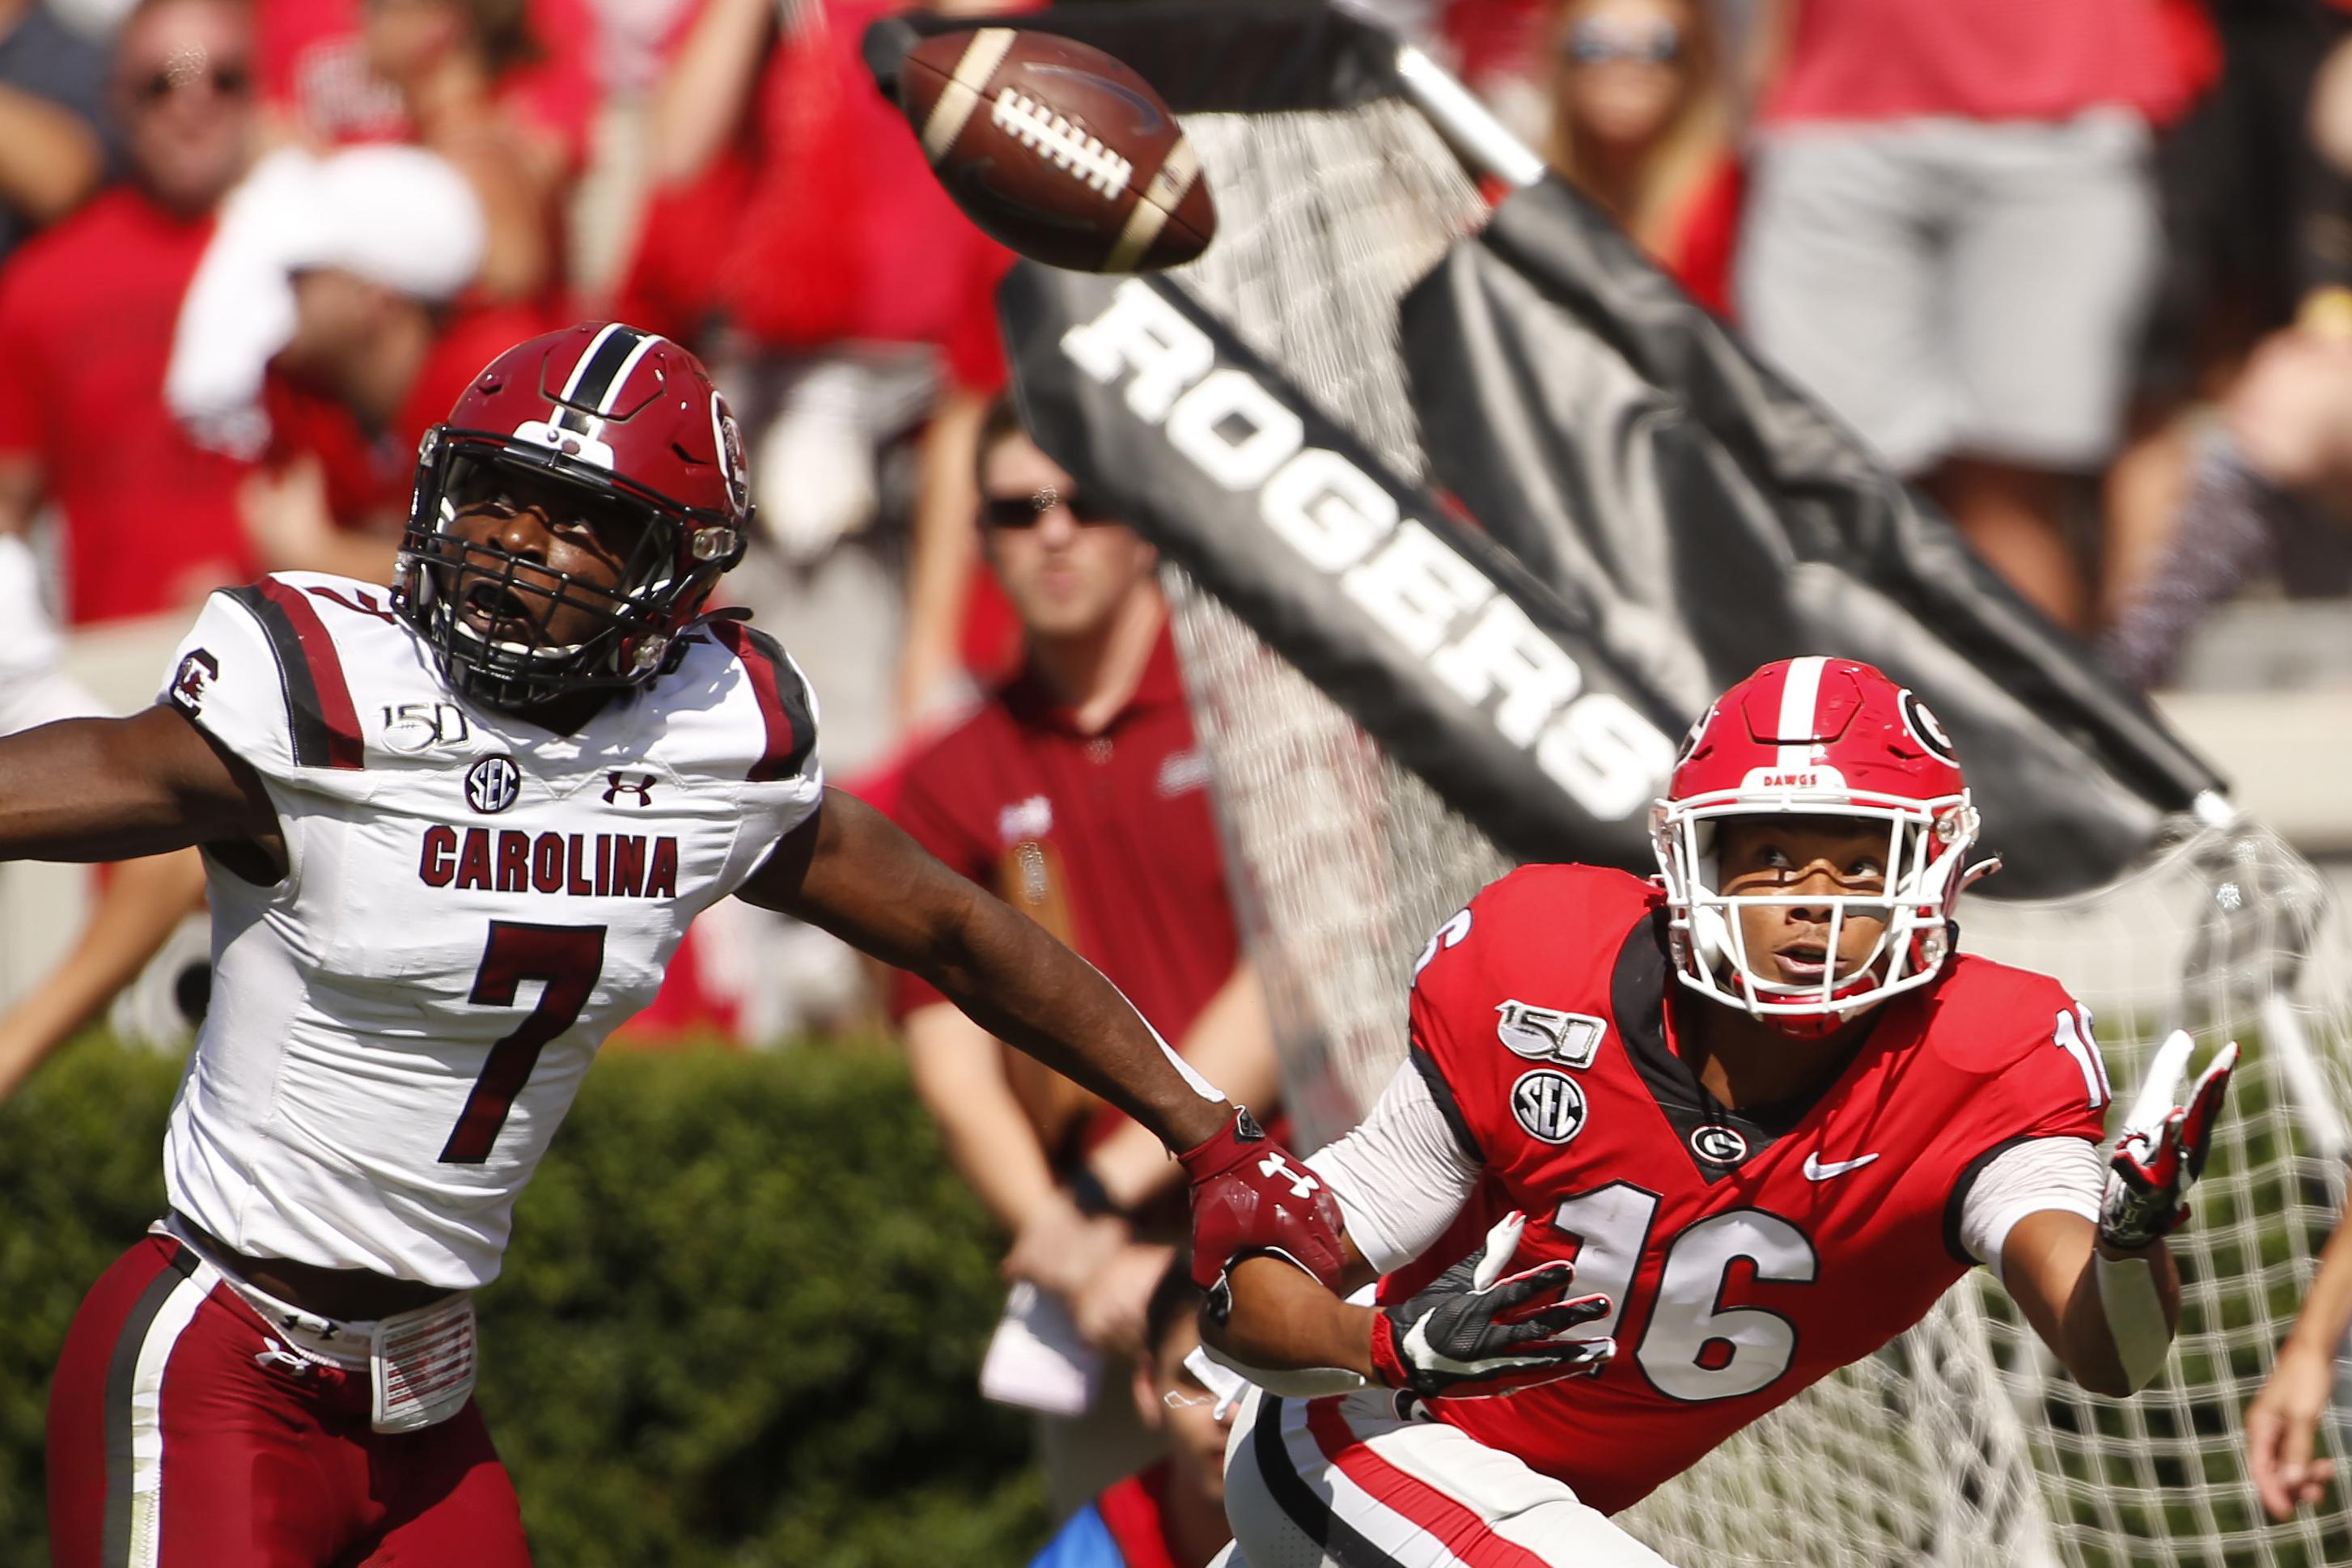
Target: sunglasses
1024,512
1594,42
227,80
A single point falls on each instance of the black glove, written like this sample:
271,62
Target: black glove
1470,1333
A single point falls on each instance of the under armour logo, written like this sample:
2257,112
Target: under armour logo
1301,1183
618,784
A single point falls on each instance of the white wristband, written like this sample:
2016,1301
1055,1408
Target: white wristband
2135,1316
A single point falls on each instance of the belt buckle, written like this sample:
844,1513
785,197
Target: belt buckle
421,1365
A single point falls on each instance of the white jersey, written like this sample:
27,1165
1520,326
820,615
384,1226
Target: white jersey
471,904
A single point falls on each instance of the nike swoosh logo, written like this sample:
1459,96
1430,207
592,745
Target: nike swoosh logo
1816,1171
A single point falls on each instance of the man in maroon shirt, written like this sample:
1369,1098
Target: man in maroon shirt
87,311
1078,795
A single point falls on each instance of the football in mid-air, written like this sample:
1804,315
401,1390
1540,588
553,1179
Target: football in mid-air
1056,149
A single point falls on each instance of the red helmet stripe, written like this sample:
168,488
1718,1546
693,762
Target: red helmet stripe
1800,693
595,383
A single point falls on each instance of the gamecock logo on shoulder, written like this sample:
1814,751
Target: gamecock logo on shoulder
195,675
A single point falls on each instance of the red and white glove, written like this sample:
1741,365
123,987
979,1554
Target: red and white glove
1251,1195
1476,1331
2161,1151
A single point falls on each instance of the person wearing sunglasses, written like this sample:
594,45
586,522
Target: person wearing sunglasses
1641,124
1079,793
146,520
87,313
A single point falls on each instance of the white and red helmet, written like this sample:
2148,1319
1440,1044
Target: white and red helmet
629,420
1816,737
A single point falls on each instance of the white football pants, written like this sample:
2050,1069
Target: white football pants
1346,1483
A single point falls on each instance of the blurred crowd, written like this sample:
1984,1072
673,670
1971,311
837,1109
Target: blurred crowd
2077,268
2081,268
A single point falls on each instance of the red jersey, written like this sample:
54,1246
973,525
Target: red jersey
823,223
1748,1253
314,69
1105,840
1991,59
87,313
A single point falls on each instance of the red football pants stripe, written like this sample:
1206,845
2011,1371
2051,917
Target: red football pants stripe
1462,1528
260,1467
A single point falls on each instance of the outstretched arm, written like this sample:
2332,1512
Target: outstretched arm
853,872
2105,1296
114,789
849,870
2283,1419
2052,1267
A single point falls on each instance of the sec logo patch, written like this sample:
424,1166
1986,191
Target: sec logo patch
492,784
1549,1104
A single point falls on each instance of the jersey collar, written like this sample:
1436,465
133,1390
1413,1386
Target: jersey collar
1640,996
1160,684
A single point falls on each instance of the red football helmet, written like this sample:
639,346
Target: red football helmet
1816,737
632,421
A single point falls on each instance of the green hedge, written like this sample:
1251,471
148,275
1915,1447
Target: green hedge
739,1324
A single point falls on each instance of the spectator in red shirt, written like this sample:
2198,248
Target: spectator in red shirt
1950,237
450,61
319,339
319,82
86,319
1079,793
1641,124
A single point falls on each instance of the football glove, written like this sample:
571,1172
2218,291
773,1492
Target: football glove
2161,1151
1476,1331
1251,1195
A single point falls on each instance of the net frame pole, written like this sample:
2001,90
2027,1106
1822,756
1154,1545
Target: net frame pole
1483,142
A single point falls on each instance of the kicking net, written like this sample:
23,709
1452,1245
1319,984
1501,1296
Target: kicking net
1961,1444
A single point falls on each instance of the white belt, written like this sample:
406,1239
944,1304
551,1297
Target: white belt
420,1365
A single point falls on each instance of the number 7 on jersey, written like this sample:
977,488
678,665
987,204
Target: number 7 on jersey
567,959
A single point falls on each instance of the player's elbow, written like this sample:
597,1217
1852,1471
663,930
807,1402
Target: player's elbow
2103,1367
2109,1381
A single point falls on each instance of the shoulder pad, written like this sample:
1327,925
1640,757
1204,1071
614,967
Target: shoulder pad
261,673
785,702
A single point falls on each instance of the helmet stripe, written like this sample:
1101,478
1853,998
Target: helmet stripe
590,376
1799,694
612,393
